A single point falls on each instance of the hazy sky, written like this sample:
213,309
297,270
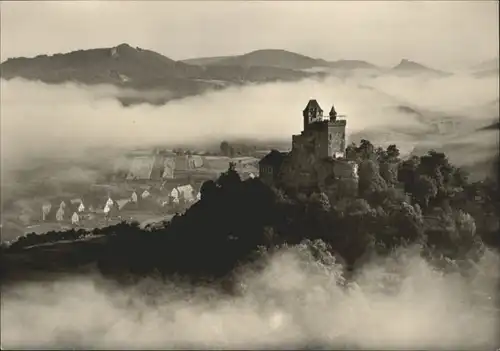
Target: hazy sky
437,33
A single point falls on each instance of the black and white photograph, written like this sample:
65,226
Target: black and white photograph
249,175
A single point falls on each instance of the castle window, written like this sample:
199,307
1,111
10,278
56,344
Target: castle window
330,136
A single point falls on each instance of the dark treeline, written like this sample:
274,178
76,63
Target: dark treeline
422,200
235,149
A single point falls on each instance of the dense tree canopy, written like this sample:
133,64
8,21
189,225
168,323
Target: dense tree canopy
422,200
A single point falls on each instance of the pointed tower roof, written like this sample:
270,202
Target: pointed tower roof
312,104
333,113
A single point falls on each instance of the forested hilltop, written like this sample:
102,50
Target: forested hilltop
439,210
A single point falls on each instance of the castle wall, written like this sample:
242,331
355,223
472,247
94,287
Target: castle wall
345,169
323,139
322,143
266,174
297,169
313,140
339,169
301,171
337,178
337,137
305,148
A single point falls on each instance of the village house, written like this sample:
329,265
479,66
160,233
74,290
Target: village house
270,166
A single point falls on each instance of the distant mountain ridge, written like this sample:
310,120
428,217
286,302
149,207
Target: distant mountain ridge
489,68
487,65
493,126
272,58
145,70
139,69
203,61
278,58
408,66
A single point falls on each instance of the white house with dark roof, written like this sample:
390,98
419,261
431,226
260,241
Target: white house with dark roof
81,207
46,210
168,168
186,192
133,197
60,214
75,219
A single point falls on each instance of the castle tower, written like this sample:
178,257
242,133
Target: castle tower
321,137
336,135
312,113
333,114
310,165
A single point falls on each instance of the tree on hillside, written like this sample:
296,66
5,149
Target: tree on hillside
407,173
208,189
460,177
389,172
365,150
453,233
409,223
319,202
369,178
387,198
425,189
356,207
229,178
381,154
393,153
351,152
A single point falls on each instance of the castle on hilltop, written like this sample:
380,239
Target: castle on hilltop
317,157
323,137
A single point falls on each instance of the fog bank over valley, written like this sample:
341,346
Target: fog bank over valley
75,130
422,307
68,120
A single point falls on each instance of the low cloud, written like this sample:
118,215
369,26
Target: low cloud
55,137
58,121
293,302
